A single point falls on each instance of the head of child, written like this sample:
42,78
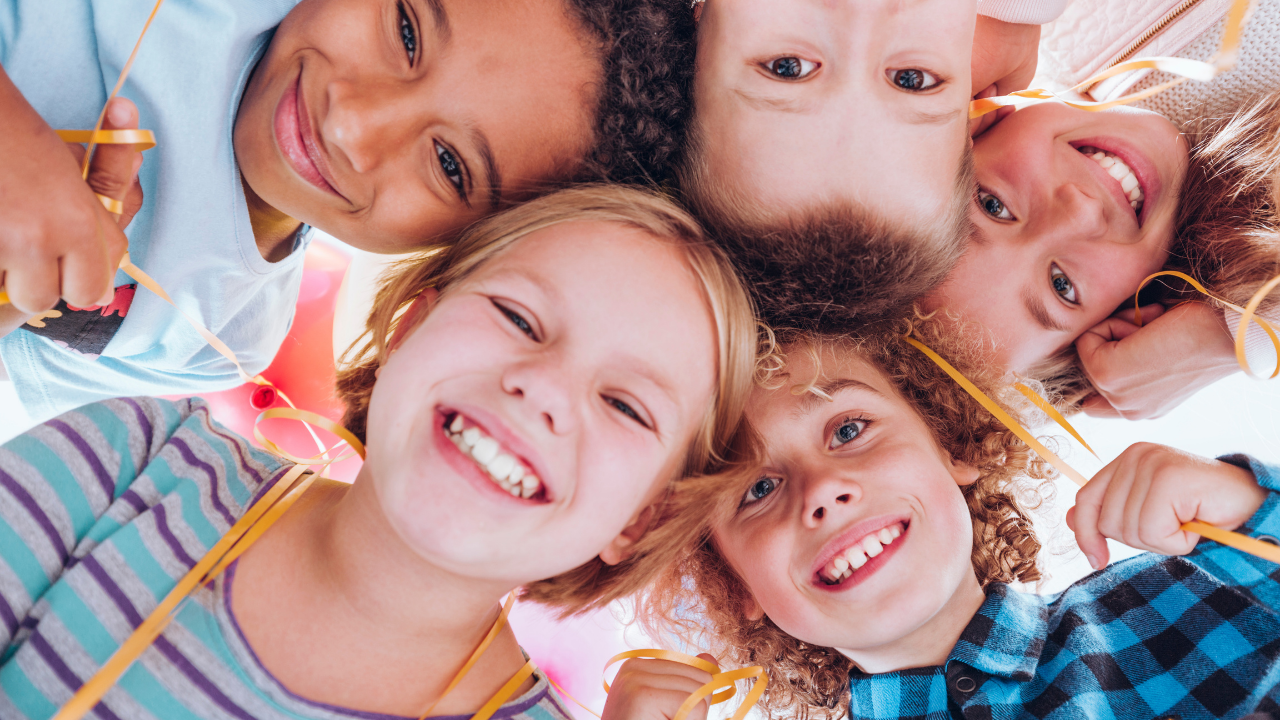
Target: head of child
880,502
807,109
394,122
541,384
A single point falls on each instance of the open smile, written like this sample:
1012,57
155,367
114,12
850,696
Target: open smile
1130,176
502,467
859,552
297,142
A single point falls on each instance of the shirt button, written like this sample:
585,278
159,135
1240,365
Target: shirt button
1269,539
965,684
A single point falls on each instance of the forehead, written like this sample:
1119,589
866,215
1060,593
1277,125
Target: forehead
830,369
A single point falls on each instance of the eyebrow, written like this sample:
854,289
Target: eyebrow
494,178
811,401
441,20
764,102
1039,312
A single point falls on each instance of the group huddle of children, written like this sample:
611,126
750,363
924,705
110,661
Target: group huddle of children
652,348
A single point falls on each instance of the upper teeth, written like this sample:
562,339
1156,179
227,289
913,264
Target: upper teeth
1117,169
501,467
855,556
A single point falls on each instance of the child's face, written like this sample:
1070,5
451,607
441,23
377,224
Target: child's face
836,475
1058,229
800,101
389,122
581,353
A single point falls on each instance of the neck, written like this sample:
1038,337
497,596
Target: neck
342,611
272,229
931,643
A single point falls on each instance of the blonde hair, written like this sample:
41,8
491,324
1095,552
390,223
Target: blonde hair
702,597
594,583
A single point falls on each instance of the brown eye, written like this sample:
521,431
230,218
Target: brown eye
791,68
913,79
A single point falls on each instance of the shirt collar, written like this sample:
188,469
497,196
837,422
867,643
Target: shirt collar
1006,636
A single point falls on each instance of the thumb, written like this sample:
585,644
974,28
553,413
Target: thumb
112,170
1149,313
1097,406
709,658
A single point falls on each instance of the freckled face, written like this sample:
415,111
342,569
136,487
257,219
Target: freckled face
586,353
801,101
388,122
836,475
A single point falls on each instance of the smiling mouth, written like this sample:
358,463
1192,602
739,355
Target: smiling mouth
1121,172
848,561
499,464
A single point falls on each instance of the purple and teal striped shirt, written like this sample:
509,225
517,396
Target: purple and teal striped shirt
102,510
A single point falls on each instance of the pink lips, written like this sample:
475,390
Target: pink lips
494,428
1143,169
296,140
847,538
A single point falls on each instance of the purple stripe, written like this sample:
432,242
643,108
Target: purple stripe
33,509
193,674
134,500
10,618
143,420
64,673
185,450
113,591
105,480
162,526
236,442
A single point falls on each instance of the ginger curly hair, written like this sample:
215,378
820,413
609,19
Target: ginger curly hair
700,597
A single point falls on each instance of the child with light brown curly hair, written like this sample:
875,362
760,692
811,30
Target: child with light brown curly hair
865,555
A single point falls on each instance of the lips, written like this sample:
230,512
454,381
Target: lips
496,461
855,554
1142,168
296,140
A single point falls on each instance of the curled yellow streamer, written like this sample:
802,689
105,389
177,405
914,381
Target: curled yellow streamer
1228,51
1235,540
720,688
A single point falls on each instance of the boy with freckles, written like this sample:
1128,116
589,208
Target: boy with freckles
865,561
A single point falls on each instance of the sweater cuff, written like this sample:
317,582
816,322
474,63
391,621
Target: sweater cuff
1258,349
1266,521
1023,12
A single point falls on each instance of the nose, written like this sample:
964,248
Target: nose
366,121
826,493
545,390
1079,212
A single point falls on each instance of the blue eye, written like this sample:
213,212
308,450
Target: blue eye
847,432
516,319
408,36
761,489
993,206
452,168
627,410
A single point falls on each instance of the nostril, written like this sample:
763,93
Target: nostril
844,498
817,514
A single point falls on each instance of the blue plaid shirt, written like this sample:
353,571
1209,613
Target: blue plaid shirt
1145,638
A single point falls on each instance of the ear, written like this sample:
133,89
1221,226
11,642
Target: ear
417,311
751,609
964,473
622,546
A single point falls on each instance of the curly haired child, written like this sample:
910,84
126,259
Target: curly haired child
389,124
865,562
529,397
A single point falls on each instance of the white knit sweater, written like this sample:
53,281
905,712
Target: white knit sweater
1023,12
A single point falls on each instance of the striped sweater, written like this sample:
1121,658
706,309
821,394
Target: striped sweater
102,510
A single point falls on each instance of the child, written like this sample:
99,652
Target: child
540,386
389,124
1070,248
829,145
865,562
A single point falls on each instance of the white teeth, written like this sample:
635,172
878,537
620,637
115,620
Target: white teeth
484,450
516,474
456,425
470,436
858,554
500,468
871,546
856,558
1128,182
1106,162
885,535
1118,170
841,565
529,483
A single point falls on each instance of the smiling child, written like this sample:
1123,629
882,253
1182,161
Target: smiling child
551,377
389,124
865,561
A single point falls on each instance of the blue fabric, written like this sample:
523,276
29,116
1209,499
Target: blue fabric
192,234
1147,637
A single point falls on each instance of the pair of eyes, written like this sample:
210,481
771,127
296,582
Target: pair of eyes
847,431
995,208
794,68
454,169
526,327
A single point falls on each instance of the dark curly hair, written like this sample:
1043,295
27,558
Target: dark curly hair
702,597
644,103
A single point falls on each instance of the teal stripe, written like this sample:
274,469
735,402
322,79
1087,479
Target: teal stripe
58,477
15,553
144,565
79,620
23,694
104,528
148,692
193,514
230,461
117,434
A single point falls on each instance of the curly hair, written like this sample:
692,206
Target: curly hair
643,105
701,597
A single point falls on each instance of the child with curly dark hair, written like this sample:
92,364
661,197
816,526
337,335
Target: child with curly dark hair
865,558
389,124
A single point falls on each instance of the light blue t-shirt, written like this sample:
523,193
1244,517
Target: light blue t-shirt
193,233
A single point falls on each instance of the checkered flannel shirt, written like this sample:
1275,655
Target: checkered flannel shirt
1145,638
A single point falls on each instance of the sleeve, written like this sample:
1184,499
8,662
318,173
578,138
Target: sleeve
1259,578
59,486
1258,349
1023,12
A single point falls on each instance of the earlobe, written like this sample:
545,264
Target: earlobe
964,473
751,609
623,546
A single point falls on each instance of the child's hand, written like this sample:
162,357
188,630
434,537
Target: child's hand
1144,372
57,240
1143,497
1004,61
655,689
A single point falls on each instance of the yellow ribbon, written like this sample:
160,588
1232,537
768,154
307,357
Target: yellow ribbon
1235,540
1247,315
720,688
1186,69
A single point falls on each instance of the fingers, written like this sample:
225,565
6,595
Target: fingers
1149,313
112,171
1097,406
1083,520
